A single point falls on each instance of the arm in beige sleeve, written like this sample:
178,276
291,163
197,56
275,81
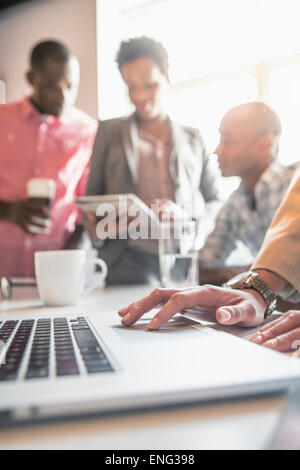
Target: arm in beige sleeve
279,256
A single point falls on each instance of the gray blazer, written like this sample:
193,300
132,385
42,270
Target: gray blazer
114,166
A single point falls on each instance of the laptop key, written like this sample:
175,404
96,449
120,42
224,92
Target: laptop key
85,339
91,352
37,372
6,330
47,332
68,367
98,367
7,375
38,366
15,353
66,363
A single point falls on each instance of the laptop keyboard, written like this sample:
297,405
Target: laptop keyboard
50,346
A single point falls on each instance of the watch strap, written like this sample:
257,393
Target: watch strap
251,280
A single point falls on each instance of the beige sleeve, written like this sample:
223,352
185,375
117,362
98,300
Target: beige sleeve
280,251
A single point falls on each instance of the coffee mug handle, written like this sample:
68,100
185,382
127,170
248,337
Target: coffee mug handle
103,274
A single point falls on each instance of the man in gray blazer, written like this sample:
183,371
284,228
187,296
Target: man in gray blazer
149,155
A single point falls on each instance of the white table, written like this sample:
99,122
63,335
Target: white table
238,424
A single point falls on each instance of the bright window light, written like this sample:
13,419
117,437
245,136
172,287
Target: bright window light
222,53
285,97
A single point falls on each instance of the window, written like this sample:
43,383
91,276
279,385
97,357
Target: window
284,94
222,53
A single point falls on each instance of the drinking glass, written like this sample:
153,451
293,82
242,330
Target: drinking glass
178,258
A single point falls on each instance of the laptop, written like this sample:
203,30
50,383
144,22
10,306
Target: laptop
58,366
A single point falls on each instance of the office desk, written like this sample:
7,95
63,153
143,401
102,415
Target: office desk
237,424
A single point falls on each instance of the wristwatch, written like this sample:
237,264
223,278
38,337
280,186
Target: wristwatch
251,280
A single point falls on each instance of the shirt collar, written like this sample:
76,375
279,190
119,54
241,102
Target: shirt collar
272,171
29,111
267,177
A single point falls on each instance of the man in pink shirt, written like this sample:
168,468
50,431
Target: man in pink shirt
43,136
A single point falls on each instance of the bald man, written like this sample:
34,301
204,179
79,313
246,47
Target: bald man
248,148
251,298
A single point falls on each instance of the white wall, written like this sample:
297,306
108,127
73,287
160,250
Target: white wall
72,22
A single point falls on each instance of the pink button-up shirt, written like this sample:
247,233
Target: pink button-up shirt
49,147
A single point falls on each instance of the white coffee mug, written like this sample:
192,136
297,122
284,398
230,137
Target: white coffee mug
60,275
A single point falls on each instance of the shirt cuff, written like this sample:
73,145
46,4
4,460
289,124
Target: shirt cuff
290,294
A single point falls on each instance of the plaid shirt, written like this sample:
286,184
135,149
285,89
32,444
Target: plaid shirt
246,218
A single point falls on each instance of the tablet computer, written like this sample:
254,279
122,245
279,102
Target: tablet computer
124,204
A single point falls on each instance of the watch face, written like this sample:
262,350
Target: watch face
255,282
247,282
